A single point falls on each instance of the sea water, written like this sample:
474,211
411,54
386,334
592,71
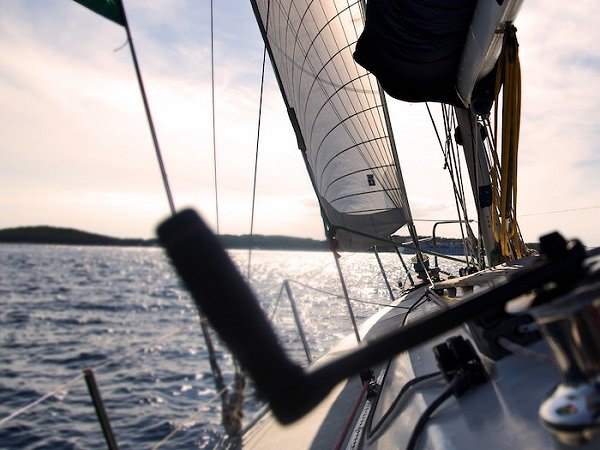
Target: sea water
122,312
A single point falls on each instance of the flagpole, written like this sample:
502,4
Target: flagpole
147,109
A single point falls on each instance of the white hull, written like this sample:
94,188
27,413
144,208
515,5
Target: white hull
484,43
500,414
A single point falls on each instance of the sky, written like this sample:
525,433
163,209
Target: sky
76,150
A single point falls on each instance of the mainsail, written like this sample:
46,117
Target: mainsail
338,112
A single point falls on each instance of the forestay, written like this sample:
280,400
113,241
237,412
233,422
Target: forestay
338,113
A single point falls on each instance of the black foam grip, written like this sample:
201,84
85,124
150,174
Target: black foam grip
222,295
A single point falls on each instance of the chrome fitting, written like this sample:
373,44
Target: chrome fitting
571,326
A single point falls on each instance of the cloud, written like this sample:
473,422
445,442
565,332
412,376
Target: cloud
559,132
76,146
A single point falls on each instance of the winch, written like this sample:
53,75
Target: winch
571,326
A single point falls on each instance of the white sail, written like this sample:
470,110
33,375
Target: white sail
338,114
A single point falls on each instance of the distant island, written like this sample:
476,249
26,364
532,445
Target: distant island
70,236
64,236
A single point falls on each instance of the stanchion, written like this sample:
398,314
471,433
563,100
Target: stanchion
90,380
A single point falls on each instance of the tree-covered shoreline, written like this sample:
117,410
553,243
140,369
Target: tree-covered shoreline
70,236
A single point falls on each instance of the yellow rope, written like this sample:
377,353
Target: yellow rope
504,175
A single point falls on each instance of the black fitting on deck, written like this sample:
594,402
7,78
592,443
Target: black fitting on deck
457,359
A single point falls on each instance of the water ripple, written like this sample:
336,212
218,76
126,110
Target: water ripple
66,308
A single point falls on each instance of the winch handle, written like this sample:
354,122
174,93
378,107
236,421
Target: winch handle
220,292
222,295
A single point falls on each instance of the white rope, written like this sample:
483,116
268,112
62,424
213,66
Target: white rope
61,387
26,408
192,418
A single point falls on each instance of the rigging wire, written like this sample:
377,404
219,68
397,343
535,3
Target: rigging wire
217,375
458,170
452,151
559,211
472,240
260,106
232,396
451,164
459,202
424,298
212,92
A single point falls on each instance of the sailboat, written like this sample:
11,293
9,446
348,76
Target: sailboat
455,362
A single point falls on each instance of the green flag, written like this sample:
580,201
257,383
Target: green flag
111,9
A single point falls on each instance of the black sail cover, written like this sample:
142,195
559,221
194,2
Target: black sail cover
414,47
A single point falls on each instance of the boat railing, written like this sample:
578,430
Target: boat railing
381,268
286,287
410,245
434,237
107,432
298,321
